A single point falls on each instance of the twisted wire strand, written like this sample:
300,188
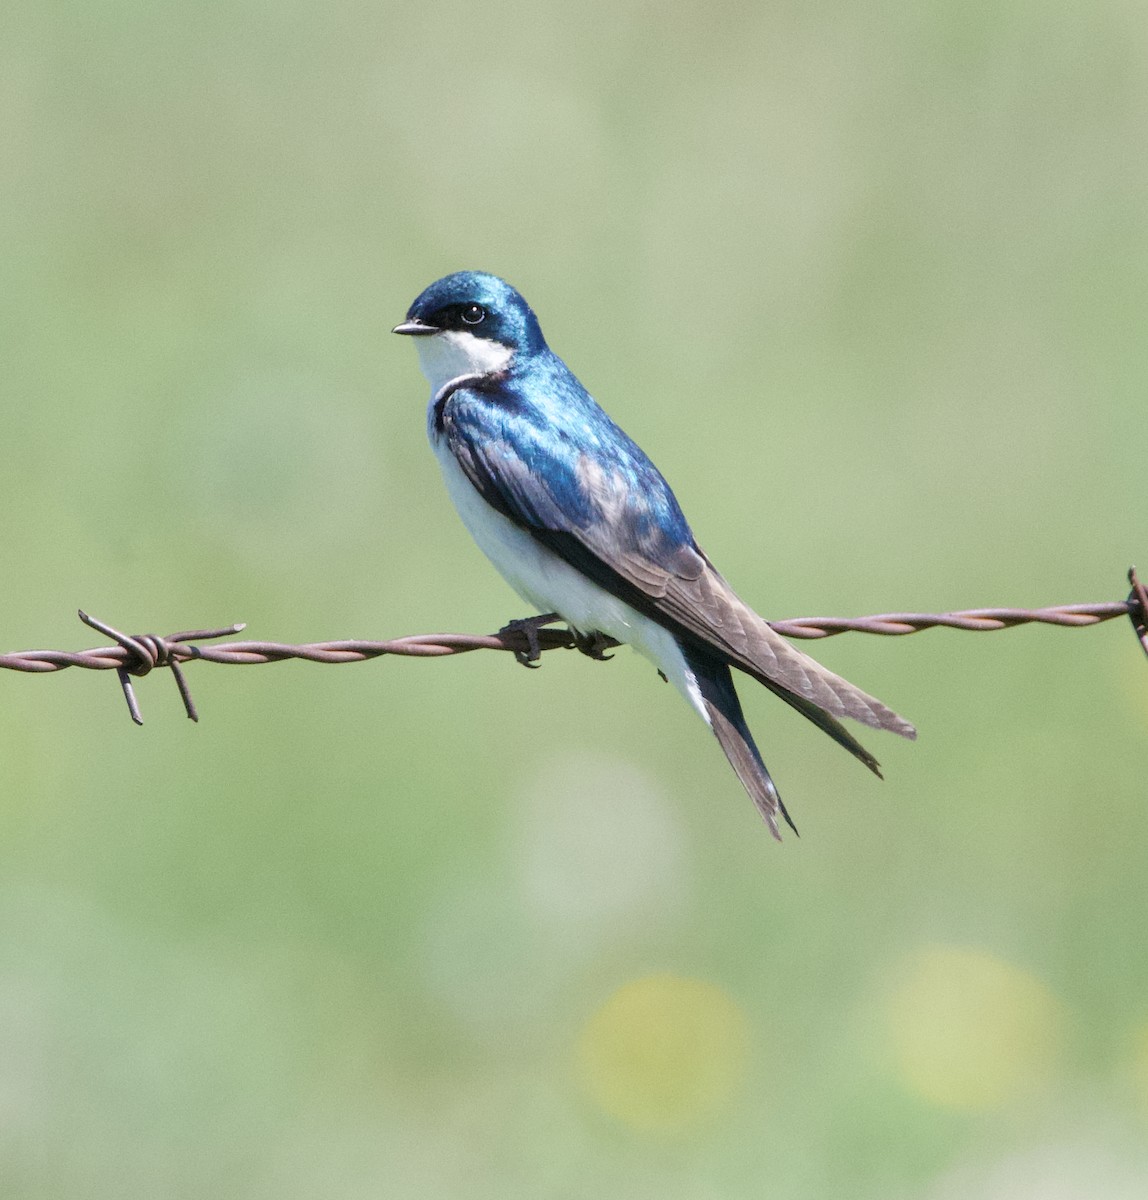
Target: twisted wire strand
138,654
972,619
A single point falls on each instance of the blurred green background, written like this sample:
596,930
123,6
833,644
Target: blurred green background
868,283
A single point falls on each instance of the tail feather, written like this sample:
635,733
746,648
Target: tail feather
715,682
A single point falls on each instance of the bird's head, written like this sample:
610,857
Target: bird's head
470,323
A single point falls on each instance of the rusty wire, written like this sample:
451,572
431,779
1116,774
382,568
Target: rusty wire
138,654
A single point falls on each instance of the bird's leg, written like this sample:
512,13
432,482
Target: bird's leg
527,628
593,644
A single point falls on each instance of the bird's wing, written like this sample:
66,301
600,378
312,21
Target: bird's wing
601,505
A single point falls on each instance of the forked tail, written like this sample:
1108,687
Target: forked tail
728,723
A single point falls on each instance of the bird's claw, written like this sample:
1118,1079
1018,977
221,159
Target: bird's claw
593,645
528,628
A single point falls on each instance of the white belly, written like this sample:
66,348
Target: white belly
550,584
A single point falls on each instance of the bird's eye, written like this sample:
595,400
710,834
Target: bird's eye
473,314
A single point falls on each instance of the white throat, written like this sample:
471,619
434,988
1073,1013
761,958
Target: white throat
454,352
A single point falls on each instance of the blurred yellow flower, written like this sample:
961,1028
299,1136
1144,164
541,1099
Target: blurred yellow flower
971,1031
663,1052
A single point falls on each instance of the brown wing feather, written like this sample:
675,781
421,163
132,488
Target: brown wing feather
695,596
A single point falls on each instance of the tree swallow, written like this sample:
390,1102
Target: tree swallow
582,524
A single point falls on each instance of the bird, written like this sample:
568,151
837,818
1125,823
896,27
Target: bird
585,528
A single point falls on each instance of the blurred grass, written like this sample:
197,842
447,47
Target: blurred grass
868,285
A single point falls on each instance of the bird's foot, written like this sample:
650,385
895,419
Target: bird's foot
528,629
593,645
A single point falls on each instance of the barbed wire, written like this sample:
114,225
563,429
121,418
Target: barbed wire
138,654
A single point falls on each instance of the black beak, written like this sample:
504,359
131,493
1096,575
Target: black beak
416,329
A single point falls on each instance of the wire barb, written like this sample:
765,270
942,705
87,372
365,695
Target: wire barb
1138,608
143,652
138,654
